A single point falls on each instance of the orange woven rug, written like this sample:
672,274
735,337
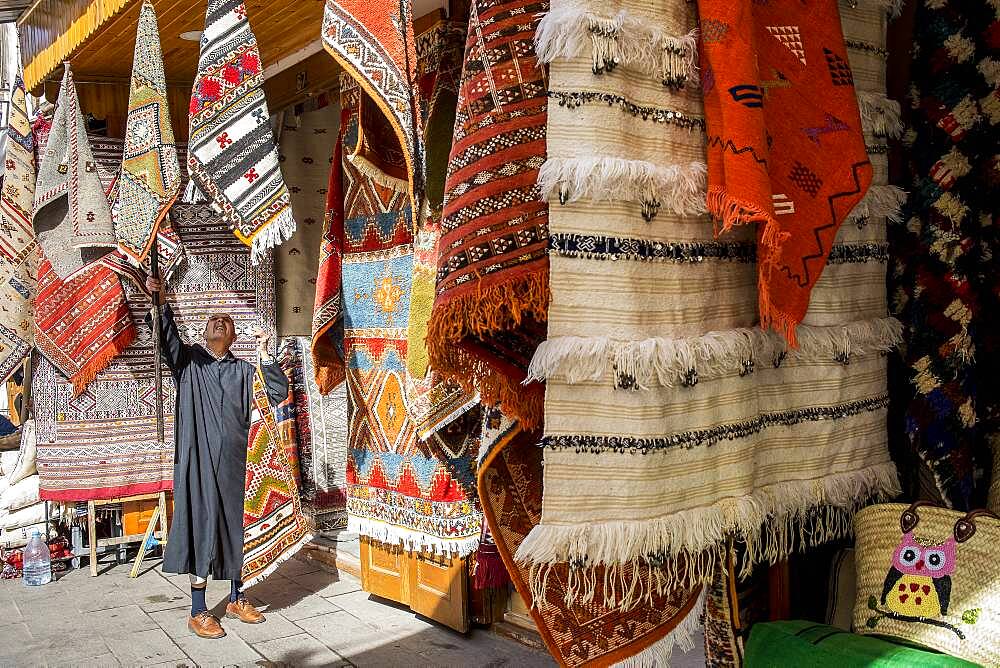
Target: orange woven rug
784,136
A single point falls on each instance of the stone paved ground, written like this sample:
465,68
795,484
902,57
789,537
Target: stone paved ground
314,618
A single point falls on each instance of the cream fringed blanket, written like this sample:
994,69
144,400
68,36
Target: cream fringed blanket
671,420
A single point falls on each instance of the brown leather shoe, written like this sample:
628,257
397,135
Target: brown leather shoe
244,611
206,625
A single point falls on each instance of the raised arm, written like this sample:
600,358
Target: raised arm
275,380
173,350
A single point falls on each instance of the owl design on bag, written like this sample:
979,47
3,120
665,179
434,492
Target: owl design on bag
918,583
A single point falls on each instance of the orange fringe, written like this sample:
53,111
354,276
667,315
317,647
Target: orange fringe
497,308
86,375
732,211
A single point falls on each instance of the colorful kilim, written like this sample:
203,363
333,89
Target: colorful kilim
232,157
577,632
799,170
492,289
102,443
81,317
274,526
306,146
373,41
150,176
18,250
945,257
670,420
398,493
321,435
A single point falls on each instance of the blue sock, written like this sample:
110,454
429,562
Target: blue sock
198,600
234,594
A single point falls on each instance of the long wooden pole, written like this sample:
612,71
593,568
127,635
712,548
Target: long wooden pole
154,271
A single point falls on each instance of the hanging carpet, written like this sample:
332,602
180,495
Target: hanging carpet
274,524
102,443
81,318
321,437
492,290
671,420
798,170
232,156
150,177
18,249
576,631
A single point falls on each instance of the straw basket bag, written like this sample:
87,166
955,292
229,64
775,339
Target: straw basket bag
930,576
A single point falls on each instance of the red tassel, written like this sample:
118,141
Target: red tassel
490,571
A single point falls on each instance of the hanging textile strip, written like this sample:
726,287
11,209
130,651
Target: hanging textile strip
81,317
150,177
103,443
232,157
576,631
434,401
802,182
274,526
659,387
492,290
321,435
398,493
18,249
373,41
943,280
306,146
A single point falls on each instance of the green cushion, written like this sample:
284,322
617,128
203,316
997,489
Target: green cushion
797,643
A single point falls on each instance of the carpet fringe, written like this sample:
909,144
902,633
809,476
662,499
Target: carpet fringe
288,554
678,188
683,637
880,115
279,230
771,522
682,361
372,171
879,202
88,373
617,39
409,540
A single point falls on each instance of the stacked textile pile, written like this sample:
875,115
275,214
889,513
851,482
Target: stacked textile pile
945,255
21,509
103,443
672,422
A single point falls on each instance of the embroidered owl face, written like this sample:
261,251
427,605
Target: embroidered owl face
914,558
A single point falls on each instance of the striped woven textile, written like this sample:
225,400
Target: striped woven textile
232,157
18,248
671,420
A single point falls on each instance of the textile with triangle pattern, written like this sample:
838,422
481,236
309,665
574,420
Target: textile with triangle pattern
18,249
785,147
150,177
274,525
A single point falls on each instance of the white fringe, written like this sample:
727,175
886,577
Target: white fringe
371,170
771,522
679,188
193,194
880,115
879,201
669,362
410,540
282,559
683,637
277,232
619,39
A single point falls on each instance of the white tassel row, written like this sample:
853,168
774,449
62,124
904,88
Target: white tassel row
879,202
772,522
372,171
616,39
409,540
669,362
278,231
879,115
678,189
683,637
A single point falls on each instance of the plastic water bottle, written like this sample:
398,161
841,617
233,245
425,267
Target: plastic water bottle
37,564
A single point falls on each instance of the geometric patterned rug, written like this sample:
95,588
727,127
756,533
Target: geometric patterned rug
102,443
